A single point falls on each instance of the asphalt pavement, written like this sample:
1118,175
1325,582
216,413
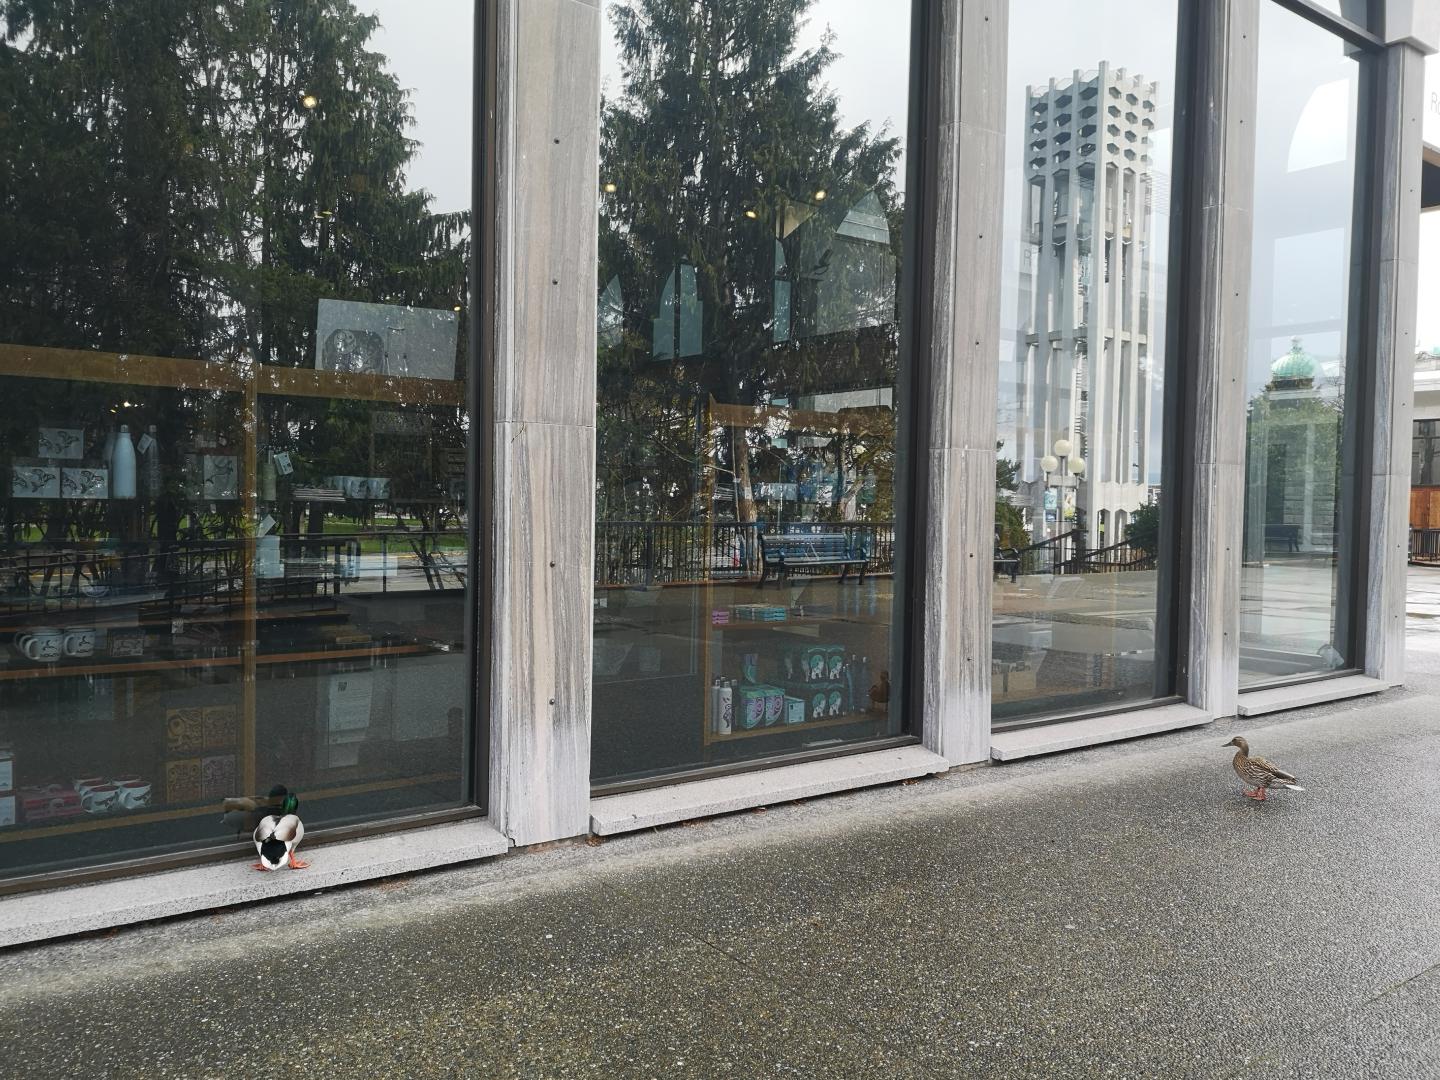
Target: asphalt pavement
1121,911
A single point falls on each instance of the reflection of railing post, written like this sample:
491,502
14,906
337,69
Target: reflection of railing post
384,563
649,558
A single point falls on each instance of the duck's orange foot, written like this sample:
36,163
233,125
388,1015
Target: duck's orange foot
297,864
258,866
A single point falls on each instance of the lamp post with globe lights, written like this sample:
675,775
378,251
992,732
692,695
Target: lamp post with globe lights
1061,460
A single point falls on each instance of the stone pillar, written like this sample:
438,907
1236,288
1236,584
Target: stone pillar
1213,349
956,383
541,404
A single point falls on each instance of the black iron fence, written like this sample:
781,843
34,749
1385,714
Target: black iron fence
1067,554
1425,546
674,552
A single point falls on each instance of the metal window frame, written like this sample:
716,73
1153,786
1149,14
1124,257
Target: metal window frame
1178,414
1362,345
475,758
916,336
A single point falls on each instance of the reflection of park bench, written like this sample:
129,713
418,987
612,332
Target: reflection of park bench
1286,536
804,551
1007,561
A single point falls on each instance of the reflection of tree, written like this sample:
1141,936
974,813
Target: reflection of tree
1293,462
189,180
736,252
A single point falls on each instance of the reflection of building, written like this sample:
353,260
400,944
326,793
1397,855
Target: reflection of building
1086,322
1293,436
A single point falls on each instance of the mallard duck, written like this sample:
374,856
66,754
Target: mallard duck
276,838
1258,771
243,813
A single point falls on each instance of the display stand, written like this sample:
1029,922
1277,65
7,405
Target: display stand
228,566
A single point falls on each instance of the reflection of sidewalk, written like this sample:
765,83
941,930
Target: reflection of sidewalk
1072,916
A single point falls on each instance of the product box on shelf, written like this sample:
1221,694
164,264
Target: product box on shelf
217,776
184,730
222,727
52,802
750,707
34,480
60,442
7,769
7,809
85,482
183,780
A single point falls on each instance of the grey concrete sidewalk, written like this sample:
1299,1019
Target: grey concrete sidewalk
1117,912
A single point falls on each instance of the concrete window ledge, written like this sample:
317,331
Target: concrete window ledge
1276,699
100,906
1073,734
613,814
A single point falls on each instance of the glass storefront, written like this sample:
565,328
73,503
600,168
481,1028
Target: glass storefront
1082,431
1296,605
234,327
751,403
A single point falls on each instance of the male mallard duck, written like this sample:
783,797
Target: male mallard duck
276,839
1258,771
243,813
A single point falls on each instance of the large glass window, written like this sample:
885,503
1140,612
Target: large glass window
233,328
749,501
1082,433
1296,606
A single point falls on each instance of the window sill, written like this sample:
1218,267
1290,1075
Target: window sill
612,814
36,916
1094,730
1299,695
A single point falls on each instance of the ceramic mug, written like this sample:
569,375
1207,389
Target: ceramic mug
41,643
79,641
133,793
98,800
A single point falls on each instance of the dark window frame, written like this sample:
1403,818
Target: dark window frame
912,387
1172,629
475,756
1359,423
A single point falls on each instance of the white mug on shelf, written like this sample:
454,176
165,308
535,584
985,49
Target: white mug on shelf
42,643
79,641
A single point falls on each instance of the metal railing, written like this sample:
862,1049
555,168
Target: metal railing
630,553
1425,547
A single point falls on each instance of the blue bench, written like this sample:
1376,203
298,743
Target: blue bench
780,554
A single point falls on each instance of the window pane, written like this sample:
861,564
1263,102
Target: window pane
233,326
1295,604
749,402
1090,105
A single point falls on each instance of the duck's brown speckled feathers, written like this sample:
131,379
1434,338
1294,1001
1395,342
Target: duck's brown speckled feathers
1257,773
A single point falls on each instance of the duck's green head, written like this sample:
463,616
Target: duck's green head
289,804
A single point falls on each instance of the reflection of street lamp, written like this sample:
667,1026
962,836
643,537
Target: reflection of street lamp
1059,460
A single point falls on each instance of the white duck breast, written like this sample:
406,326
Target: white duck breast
276,838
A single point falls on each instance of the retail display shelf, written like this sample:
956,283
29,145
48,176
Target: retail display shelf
70,671
134,667
802,622
143,817
808,725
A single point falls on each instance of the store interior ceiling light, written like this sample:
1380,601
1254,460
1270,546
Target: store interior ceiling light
751,214
820,195
610,189
308,100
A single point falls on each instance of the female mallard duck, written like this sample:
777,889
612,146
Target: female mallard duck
276,838
1258,771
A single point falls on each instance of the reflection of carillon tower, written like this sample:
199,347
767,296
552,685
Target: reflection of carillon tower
1085,292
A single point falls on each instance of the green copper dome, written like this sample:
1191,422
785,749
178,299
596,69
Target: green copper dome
1294,365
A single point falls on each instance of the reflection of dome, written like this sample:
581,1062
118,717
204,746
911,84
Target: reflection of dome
1294,366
